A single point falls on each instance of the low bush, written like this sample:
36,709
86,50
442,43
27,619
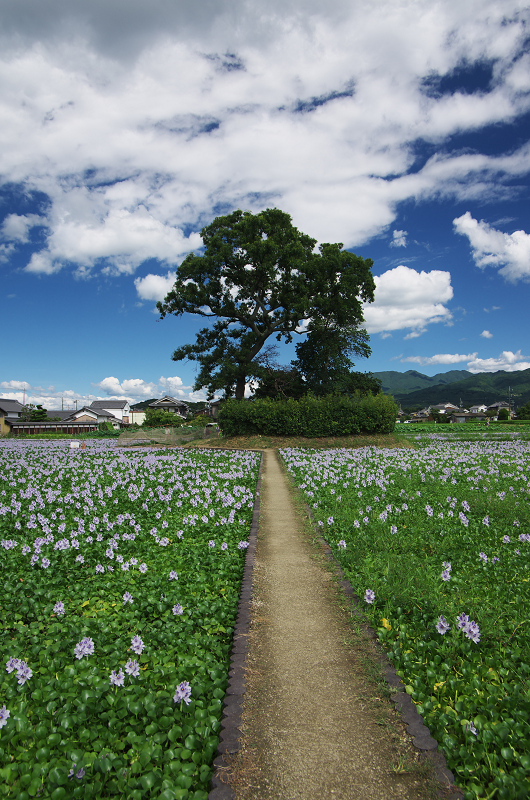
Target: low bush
334,415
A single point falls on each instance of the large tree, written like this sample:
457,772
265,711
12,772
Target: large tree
260,277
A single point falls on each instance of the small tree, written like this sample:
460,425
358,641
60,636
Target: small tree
38,414
524,411
503,415
158,418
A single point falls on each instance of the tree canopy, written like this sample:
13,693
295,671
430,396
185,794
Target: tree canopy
260,277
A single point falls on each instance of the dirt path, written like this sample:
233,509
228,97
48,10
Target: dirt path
310,728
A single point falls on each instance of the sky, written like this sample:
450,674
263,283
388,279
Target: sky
399,128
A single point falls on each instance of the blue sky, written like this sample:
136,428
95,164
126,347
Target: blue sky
400,128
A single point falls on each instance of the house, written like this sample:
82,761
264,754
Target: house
467,416
168,403
82,420
117,408
478,409
136,416
9,410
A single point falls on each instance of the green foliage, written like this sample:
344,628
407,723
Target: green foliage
280,383
259,277
503,415
524,411
158,418
398,520
335,415
323,357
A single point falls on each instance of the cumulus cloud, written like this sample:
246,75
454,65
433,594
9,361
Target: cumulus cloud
508,361
486,335
16,227
154,287
139,127
440,358
405,298
399,239
510,252
138,389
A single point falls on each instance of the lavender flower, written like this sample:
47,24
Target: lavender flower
137,645
442,626
4,715
183,693
224,546
471,728
341,544
462,621
243,545
13,663
127,598
58,608
173,576
24,673
143,568
177,609
483,557
84,648
446,575
369,596
132,668
100,568
506,539
117,678
211,543
393,529
472,631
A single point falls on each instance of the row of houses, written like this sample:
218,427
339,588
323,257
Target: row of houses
476,413
83,420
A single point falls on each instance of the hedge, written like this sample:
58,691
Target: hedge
334,415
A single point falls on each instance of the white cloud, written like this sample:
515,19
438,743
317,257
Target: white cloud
138,127
16,385
135,389
399,239
486,335
510,252
440,358
16,227
508,361
405,298
154,287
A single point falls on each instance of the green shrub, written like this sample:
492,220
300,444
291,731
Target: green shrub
334,415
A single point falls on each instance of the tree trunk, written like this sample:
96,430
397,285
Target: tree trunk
240,388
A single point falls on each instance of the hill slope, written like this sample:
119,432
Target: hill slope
401,383
485,387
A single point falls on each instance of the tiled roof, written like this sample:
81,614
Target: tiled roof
108,404
10,406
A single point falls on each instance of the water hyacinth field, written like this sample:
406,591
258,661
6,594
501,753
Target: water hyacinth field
121,576
436,543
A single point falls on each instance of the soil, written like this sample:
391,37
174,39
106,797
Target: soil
315,725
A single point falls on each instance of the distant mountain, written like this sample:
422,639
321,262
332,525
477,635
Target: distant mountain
485,387
402,383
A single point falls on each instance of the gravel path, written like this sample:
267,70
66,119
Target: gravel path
310,728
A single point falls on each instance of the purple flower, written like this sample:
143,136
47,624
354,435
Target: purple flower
446,575
429,511
58,608
442,626
211,543
79,558
127,598
330,520
177,609
4,715
137,645
471,728
369,596
143,568
483,557
183,693
462,621
132,668
117,678
84,648
506,539
13,663
393,528
224,546
486,521
472,631
242,545
24,673
341,545
100,568
173,576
